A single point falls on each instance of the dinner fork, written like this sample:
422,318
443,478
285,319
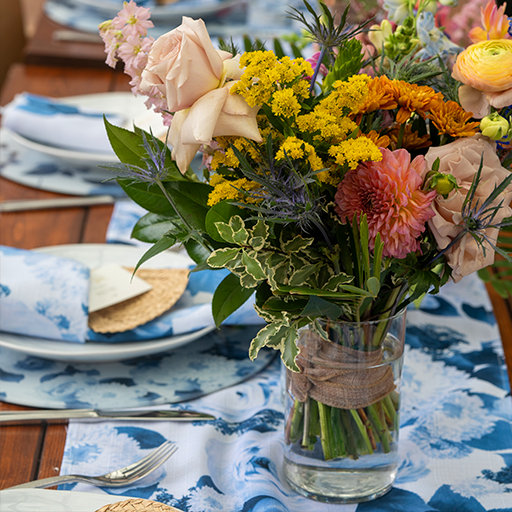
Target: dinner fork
117,478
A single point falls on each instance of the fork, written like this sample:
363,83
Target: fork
117,478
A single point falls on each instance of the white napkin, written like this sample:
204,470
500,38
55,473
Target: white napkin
53,123
43,295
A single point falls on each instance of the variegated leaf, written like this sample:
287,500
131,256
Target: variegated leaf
262,338
295,244
336,280
253,266
260,229
301,275
289,349
222,257
226,232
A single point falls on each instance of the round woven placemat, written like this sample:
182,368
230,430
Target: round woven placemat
137,505
168,286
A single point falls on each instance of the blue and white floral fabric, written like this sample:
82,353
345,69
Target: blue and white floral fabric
455,439
53,123
43,295
215,361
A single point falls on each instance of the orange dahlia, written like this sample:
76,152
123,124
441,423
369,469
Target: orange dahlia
389,193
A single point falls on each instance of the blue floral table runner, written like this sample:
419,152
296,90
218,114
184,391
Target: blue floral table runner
455,438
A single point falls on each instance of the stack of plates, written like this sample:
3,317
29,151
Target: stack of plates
95,255
167,12
49,167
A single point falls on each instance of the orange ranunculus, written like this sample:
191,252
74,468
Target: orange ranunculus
485,67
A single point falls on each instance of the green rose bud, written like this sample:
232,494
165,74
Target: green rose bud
443,184
494,126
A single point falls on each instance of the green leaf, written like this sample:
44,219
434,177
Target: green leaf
317,306
220,257
162,245
191,199
197,252
152,227
337,280
150,198
228,297
127,145
295,305
373,286
220,212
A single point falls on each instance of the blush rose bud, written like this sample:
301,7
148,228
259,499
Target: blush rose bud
494,126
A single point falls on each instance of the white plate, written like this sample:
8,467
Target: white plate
95,255
124,103
43,500
169,12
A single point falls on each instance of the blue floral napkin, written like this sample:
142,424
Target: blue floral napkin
54,123
43,295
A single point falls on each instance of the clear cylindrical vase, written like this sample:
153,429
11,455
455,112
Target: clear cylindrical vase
342,409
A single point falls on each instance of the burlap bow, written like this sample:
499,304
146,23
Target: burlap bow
339,376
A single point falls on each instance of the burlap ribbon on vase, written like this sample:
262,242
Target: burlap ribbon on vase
339,376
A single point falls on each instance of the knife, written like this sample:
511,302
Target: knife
107,414
61,202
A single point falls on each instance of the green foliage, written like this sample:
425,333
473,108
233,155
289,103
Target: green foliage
348,62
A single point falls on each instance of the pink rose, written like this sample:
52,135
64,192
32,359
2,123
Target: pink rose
217,113
184,65
462,159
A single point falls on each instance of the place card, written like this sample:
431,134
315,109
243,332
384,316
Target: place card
112,284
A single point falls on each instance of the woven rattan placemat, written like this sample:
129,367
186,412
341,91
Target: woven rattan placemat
137,505
168,286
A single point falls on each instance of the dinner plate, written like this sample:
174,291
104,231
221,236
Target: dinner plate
131,107
169,12
95,255
44,500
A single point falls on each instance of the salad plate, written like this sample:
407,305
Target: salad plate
44,500
125,104
95,255
170,11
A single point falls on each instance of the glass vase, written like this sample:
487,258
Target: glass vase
342,409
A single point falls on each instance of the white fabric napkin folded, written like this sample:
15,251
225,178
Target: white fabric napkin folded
53,123
43,295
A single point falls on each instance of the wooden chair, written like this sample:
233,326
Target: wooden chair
12,37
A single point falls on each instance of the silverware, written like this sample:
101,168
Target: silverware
61,202
117,478
107,414
74,36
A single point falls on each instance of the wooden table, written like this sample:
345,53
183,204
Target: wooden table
35,451
29,452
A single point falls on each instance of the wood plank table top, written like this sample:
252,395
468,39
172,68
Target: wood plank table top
34,451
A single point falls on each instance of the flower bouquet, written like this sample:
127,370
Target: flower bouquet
337,189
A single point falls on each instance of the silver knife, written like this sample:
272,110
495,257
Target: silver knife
107,414
18,205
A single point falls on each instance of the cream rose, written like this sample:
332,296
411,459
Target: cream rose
217,113
184,65
462,159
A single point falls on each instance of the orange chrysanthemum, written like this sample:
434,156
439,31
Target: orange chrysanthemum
450,118
414,98
381,141
389,193
382,95
410,140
